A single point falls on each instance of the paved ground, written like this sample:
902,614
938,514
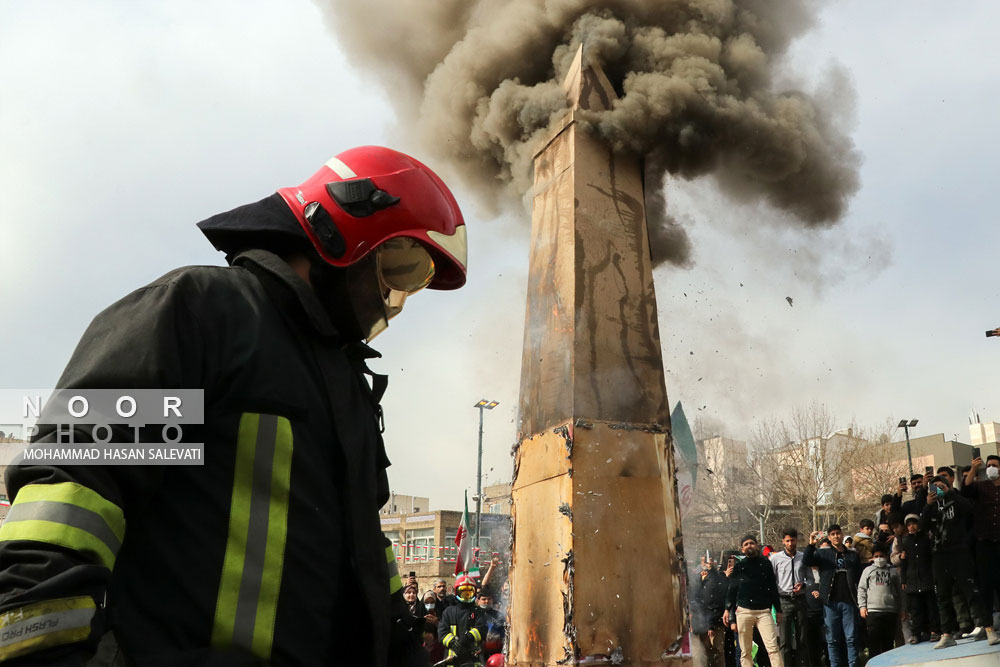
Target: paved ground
967,654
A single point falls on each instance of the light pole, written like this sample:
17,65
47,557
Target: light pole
906,429
484,404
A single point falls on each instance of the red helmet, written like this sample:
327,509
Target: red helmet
367,195
465,588
495,660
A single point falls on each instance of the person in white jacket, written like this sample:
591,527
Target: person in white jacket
879,601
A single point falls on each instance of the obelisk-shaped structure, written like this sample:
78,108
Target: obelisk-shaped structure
596,567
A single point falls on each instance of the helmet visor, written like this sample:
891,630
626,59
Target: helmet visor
404,265
466,593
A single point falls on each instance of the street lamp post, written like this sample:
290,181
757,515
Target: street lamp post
906,426
484,404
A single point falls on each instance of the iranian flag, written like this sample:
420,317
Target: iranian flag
463,540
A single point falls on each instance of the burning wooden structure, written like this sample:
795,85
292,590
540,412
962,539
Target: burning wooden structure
596,572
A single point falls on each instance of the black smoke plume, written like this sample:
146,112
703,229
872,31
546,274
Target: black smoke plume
479,81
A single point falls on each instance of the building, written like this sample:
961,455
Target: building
496,499
402,504
722,456
931,451
985,436
425,543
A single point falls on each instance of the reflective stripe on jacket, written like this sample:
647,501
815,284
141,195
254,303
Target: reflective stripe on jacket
255,550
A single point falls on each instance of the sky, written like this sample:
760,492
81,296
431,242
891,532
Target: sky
123,124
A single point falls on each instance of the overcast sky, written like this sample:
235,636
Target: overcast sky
123,124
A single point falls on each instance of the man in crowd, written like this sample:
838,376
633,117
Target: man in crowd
986,523
839,572
818,655
879,601
946,518
496,624
708,604
888,502
918,582
754,594
863,541
444,599
918,483
793,578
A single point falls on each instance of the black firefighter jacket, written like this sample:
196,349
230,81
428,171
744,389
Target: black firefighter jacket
466,624
247,559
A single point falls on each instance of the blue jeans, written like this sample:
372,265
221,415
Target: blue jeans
839,618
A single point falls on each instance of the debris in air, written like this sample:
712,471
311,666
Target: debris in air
789,300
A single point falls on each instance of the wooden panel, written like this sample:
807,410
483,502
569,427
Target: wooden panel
617,364
627,583
547,362
539,575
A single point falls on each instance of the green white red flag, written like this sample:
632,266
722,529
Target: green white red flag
463,540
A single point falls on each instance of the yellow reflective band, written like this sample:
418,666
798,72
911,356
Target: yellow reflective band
44,624
69,515
394,581
247,602
475,633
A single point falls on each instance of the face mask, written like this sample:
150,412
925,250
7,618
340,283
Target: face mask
429,606
881,562
992,472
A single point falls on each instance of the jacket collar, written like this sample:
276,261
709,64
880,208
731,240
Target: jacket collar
299,292
300,297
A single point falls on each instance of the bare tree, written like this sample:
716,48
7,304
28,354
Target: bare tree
877,468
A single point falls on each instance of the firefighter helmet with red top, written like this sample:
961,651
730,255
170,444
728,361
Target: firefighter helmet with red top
465,588
373,197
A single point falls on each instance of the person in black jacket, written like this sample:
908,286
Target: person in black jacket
708,605
918,483
752,598
947,518
918,582
248,558
464,625
839,574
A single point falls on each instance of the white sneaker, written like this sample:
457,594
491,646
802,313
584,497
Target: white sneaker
945,642
978,634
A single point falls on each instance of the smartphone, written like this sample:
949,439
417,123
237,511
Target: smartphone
902,480
928,470
975,453
412,573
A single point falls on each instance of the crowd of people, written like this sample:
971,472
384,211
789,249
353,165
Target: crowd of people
463,626
925,568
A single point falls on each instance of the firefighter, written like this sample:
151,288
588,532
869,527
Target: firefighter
260,555
464,625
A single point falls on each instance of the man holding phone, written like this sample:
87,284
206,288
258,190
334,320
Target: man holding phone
839,574
985,495
918,484
946,518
